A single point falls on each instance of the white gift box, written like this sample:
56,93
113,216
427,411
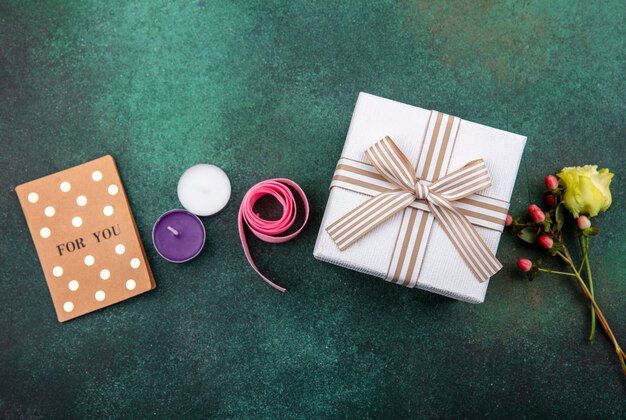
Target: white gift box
441,269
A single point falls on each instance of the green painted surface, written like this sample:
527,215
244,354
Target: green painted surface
264,90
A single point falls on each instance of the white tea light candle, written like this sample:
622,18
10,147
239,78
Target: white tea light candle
204,189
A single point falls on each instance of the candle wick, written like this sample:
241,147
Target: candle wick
171,229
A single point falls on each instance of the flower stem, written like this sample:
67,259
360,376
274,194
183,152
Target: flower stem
563,273
592,334
582,251
605,325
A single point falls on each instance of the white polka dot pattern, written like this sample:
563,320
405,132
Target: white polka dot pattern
65,186
81,200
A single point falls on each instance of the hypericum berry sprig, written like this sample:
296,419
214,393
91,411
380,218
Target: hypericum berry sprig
584,192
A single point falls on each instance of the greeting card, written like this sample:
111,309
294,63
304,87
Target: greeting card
88,244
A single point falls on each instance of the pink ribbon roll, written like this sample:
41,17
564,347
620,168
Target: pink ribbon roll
266,230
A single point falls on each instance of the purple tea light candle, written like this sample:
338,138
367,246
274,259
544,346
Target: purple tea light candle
178,236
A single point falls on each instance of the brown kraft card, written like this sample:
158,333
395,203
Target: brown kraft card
84,232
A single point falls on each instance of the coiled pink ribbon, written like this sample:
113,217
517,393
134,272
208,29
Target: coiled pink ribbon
266,230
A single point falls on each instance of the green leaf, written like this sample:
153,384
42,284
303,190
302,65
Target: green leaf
559,216
528,235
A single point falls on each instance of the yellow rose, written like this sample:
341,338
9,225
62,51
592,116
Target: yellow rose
586,190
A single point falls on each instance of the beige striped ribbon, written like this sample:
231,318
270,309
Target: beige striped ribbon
450,199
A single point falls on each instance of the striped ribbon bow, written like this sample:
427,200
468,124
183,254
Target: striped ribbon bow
440,196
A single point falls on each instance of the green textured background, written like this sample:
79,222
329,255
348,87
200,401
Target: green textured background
266,89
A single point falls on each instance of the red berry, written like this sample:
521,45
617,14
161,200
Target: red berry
508,221
550,200
536,213
545,241
583,222
551,182
524,264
